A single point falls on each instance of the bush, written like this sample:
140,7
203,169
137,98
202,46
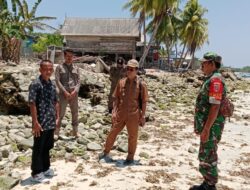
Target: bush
45,40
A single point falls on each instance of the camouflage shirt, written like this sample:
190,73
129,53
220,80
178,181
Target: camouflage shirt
212,91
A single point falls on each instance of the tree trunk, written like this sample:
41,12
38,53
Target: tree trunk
144,33
168,51
180,62
176,50
145,53
190,64
184,58
11,49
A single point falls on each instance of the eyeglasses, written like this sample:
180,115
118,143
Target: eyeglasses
130,69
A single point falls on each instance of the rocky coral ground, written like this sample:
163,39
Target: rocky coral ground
167,148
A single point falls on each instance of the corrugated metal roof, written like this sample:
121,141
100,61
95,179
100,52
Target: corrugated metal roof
100,27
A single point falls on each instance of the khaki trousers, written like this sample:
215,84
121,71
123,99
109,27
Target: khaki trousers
73,105
132,124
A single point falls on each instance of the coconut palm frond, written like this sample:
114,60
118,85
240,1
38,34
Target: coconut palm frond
34,8
43,26
42,18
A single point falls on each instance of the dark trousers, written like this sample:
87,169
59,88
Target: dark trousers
40,154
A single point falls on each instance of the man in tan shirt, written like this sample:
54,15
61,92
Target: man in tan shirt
127,111
68,82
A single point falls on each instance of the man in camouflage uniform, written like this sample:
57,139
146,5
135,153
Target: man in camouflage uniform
209,123
116,73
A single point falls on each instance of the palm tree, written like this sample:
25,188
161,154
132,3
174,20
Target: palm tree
18,25
160,9
168,32
9,30
135,7
155,10
194,28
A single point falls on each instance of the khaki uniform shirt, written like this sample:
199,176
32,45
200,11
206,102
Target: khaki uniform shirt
117,73
127,93
67,77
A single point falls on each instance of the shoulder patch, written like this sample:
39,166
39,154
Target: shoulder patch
216,88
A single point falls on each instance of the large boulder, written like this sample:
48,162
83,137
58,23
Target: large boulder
7,182
14,84
15,81
91,83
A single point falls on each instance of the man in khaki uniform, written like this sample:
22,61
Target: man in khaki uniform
127,111
68,82
116,73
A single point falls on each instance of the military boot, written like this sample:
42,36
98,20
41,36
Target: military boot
203,186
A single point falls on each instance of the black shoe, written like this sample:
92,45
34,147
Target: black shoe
203,186
128,162
105,157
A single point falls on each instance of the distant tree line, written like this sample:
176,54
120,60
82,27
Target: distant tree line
244,69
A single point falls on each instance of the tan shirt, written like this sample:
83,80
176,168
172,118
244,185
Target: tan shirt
127,93
67,77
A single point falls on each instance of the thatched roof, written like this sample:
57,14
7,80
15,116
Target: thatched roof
100,27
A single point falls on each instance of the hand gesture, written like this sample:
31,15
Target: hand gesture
67,95
204,135
142,121
36,130
73,94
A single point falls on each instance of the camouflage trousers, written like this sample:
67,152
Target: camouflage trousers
208,155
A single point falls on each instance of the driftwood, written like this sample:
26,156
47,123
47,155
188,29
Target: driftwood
101,66
85,59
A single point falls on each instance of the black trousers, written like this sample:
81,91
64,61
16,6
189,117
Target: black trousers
40,154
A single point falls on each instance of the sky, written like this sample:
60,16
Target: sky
229,22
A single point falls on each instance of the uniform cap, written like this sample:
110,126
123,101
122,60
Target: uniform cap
211,56
133,63
120,61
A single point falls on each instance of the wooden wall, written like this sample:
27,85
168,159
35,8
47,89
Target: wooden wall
102,44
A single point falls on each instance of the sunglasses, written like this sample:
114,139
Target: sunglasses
130,69
205,62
